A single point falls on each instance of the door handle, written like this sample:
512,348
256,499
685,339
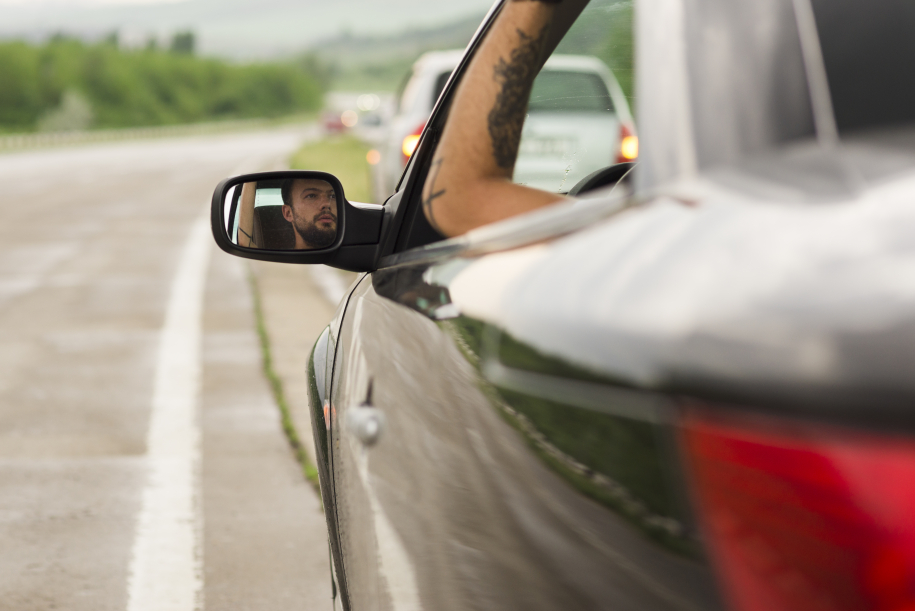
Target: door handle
365,421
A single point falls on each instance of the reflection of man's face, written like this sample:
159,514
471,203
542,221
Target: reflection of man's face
312,210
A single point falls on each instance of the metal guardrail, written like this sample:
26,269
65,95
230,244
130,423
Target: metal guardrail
39,140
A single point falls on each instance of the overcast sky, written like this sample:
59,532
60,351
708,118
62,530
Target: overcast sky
78,3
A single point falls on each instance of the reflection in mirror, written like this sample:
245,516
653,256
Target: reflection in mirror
282,214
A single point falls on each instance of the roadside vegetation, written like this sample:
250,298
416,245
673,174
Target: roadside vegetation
344,157
381,63
279,395
66,84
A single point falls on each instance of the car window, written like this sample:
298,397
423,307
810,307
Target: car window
863,44
579,119
268,197
567,91
440,81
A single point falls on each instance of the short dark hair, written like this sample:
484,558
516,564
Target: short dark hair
286,191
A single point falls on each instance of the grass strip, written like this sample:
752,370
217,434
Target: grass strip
276,386
344,156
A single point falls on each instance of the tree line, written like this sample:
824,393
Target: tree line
69,84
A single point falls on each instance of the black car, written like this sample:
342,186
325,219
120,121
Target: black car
691,388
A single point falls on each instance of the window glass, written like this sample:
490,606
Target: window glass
440,82
561,90
869,54
267,197
579,109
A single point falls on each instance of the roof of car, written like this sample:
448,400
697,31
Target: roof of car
578,63
434,63
447,60
438,60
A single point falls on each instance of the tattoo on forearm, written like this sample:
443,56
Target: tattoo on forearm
431,194
251,240
507,116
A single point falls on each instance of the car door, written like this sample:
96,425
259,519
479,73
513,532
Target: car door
504,476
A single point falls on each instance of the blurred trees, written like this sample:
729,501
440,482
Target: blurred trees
183,42
66,84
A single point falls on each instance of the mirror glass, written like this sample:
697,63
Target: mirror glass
295,213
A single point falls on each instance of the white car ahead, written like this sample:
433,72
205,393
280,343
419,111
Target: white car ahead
578,122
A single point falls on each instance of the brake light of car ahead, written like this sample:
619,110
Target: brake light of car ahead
411,141
802,517
629,144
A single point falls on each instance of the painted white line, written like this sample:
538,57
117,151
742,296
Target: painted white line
329,282
166,565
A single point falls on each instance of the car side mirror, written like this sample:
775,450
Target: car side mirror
295,217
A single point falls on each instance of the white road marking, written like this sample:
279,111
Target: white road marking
166,565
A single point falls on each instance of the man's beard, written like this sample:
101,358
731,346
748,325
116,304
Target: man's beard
314,235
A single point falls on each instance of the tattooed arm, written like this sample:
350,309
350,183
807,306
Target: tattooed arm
469,183
245,236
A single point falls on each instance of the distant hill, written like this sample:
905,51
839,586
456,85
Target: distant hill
347,48
240,29
379,63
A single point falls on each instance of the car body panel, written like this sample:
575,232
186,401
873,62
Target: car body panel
493,369
458,507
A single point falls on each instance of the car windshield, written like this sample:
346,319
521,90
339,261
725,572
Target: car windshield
568,91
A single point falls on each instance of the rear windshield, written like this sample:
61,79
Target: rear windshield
568,91
440,83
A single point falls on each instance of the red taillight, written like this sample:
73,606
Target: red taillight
410,142
802,519
629,144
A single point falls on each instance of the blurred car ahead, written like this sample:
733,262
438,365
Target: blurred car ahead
578,122
578,119
332,122
415,100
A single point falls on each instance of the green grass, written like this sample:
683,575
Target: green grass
342,156
276,386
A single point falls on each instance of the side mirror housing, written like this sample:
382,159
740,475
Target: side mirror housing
295,216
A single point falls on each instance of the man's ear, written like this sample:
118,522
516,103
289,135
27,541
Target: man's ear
287,212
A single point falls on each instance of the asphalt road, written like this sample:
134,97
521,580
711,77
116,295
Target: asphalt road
142,463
